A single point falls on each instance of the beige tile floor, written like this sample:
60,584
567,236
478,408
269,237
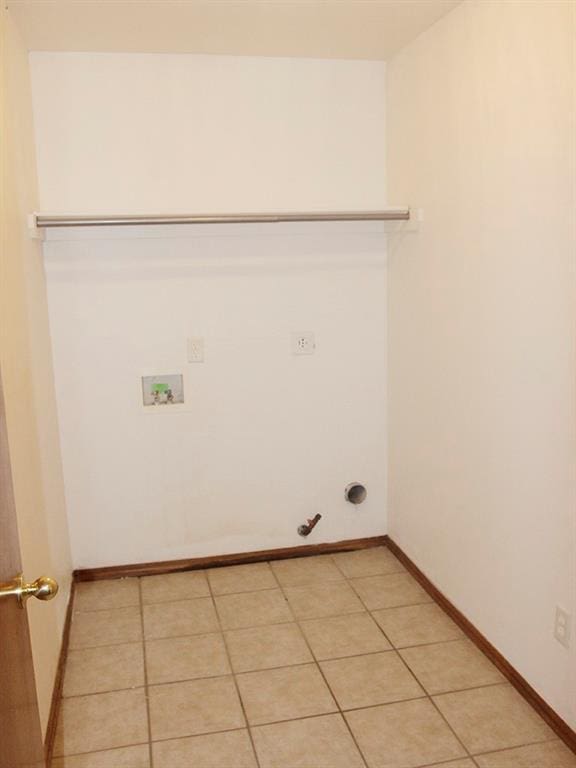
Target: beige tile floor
338,661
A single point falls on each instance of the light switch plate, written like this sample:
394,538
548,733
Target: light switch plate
195,349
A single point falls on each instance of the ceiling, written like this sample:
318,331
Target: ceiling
335,29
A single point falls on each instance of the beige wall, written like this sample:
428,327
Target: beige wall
168,133
306,134
482,319
25,360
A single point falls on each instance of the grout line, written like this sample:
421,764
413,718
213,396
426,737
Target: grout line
188,636
555,737
431,700
200,735
463,639
210,594
104,693
426,694
213,632
246,672
108,608
190,680
447,763
389,607
398,568
146,687
423,645
99,751
233,675
241,591
470,688
106,645
340,712
419,601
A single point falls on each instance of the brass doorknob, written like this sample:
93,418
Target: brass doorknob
43,588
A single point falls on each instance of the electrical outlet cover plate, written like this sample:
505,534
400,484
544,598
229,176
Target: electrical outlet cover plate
562,627
303,343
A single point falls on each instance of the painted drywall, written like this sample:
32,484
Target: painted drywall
183,133
267,439
26,364
481,135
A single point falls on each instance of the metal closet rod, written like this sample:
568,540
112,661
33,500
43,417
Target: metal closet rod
47,221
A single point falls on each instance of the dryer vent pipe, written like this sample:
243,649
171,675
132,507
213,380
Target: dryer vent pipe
355,493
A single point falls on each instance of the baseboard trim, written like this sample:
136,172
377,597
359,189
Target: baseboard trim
58,682
218,561
558,725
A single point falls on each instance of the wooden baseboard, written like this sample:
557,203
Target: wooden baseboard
218,561
58,682
558,725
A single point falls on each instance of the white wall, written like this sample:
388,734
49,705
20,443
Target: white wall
481,134
26,363
184,133
270,438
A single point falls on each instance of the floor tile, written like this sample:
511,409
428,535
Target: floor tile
552,754
194,707
125,757
306,571
488,719
251,609
339,636
403,735
318,742
101,721
186,658
218,750
417,625
284,694
451,666
184,617
279,645
111,593
389,591
174,586
328,599
197,717
367,562
363,681
109,668
93,628
241,578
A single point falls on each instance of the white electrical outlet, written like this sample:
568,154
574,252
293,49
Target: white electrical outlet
562,627
195,349
303,343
